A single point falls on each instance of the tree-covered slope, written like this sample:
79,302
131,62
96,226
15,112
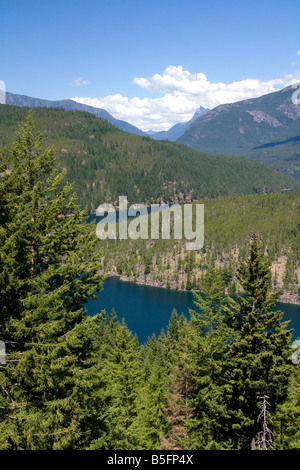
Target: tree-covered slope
266,129
105,162
229,222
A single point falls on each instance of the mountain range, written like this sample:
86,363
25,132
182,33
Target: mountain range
104,162
266,129
71,105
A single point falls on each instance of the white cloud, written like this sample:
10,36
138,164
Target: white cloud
79,82
182,93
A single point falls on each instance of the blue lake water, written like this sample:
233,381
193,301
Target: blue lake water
147,309
296,176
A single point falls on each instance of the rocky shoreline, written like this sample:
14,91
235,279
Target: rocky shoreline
286,297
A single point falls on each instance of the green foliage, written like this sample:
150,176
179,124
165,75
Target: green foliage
48,271
123,376
258,359
78,382
287,422
151,421
211,337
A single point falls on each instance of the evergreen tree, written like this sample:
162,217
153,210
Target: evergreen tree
258,359
212,336
122,372
151,419
47,272
179,385
171,340
287,421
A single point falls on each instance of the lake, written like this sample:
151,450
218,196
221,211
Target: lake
147,309
296,176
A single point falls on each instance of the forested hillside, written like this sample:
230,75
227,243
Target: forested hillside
229,222
70,105
104,162
74,382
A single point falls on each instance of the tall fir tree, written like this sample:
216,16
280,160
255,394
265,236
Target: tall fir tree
259,357
212,337
48,270
178,352
151,419
122,371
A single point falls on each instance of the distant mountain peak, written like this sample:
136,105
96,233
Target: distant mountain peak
178,129
200,110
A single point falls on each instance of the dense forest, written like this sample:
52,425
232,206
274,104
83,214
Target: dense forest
104,162
71,381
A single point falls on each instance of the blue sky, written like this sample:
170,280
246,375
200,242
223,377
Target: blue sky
151,63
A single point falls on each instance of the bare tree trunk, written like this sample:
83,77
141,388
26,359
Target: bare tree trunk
265,436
